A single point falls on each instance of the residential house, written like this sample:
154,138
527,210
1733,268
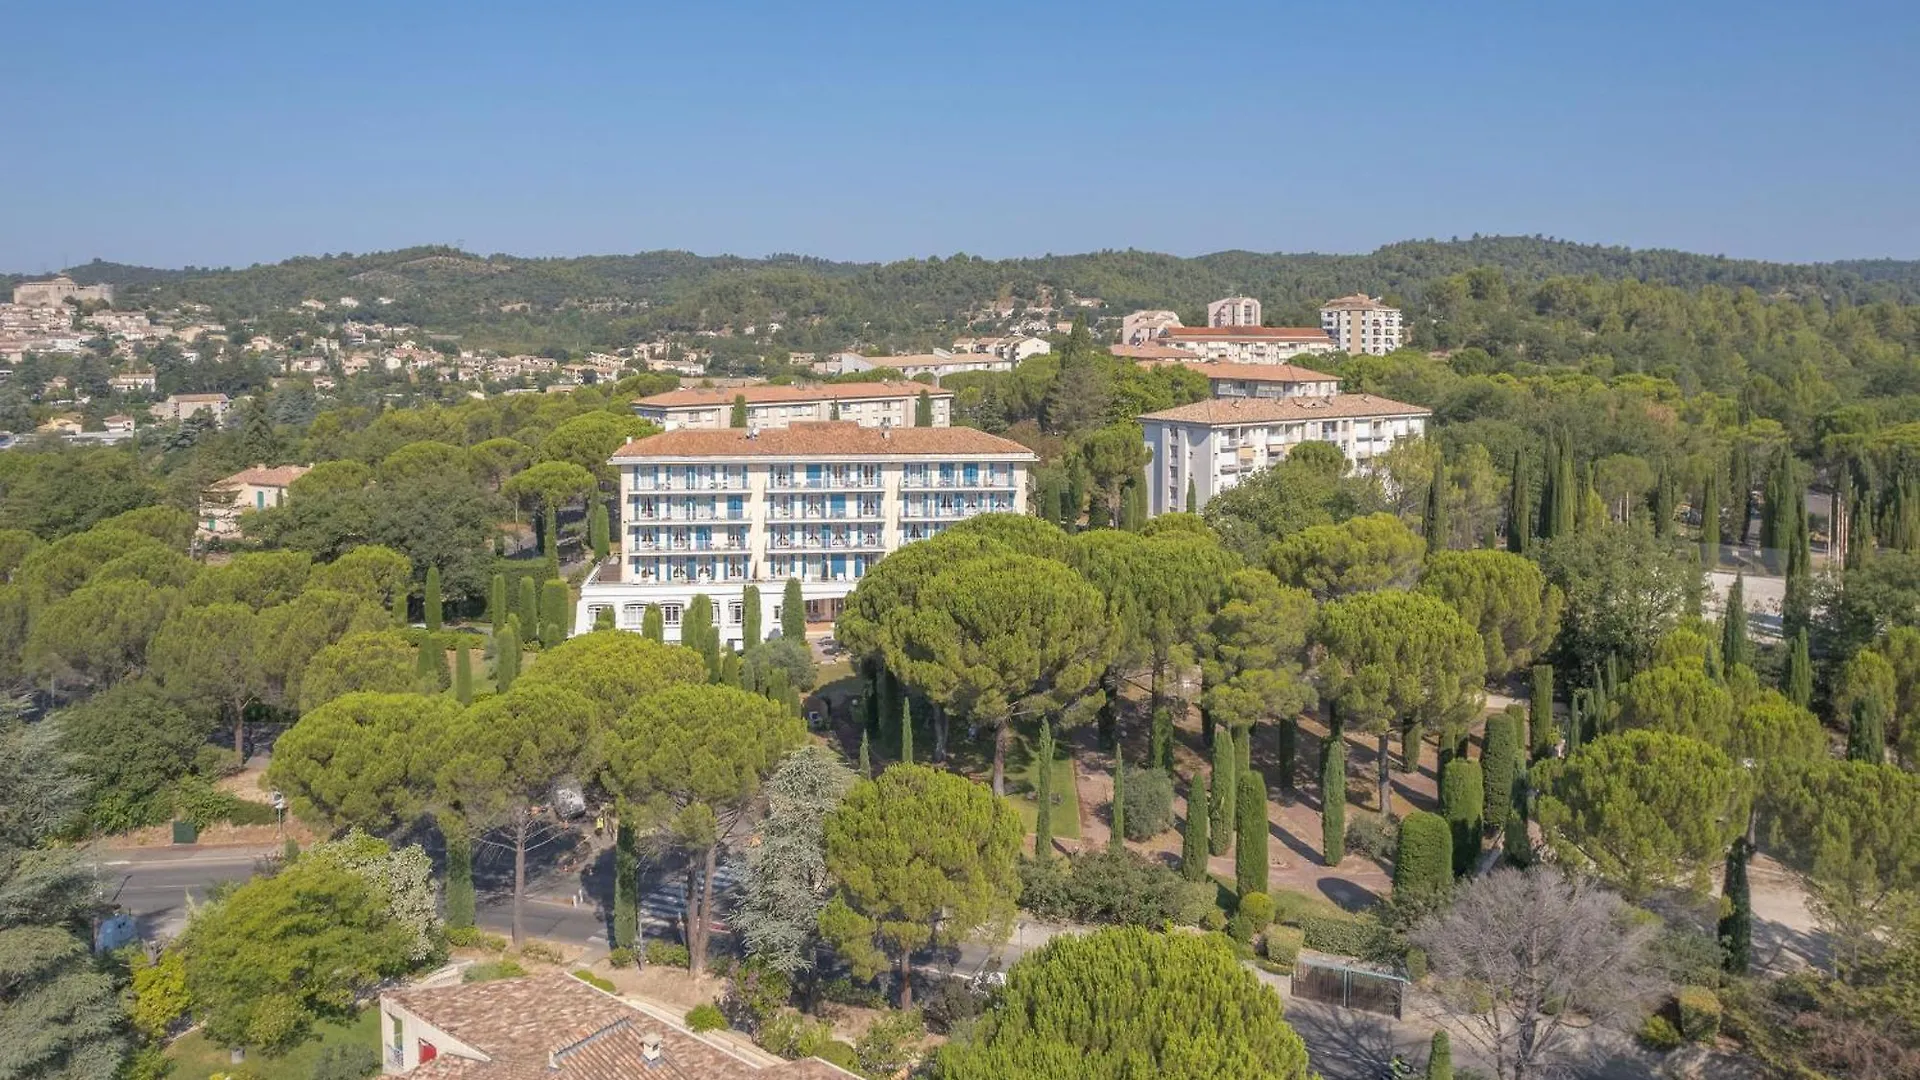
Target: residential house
119,424
181,406
713,511
134,382
249,489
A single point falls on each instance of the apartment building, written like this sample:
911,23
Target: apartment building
1217,443
939,363
1266,381
181,406
1142,327
874,404
134,382
1362,324
1234,311
711,511
1248,344
249,489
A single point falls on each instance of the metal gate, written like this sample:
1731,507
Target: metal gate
1336,982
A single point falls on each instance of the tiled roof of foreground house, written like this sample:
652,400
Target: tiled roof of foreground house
555,1027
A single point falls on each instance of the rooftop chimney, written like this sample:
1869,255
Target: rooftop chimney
650,1046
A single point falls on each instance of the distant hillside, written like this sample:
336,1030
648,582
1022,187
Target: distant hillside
612,299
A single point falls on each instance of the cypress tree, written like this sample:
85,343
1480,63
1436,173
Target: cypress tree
550,534
1462,803
1250,847
1193,497
430,666
553,627
793,612
1440,1057
729,668
1160,754
1660,503
1740,494
1736,912
1710,521
1799,687
1193,846
400,608
776,688
626,884
506,655
653,624
923,410
1867,733
866,759
1499,753
497,602
698,633
1042,786
603,619
1289,740
1566,492
1423,860
1226,769
906,728
1515,837
463,675
433,612
1733,626
738,417
599,530
1519,506
529,607
750,634
1543,736
1333,801
1435,523
460,895
1117,810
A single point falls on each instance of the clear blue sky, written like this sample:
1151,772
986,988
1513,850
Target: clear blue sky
227,133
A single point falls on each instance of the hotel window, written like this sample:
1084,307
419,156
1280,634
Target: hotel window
736,612
633,614
670,614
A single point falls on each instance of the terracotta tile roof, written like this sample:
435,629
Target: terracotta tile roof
196,397
557,1027
841,438
1223,411
261,476
1251,333
763,395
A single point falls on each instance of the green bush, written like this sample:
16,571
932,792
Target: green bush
1658,1033
1374,835
949,1003
1240,929
1282,945
891,1043
1347,935
1107,886
1258,908
593,980
842,1054
246,812
491,970
620,958
1214,921
705,1017
1699,1013
859,995
667,954
793,1036
1423,865
1463,804
541,951
1149,802
469,937
346,1062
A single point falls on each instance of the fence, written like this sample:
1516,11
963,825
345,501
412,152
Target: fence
1338,982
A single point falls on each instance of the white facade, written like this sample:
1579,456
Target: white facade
713,511
1362,324
1234,311
1248,344
1216,444
866,404
938,363
1142,327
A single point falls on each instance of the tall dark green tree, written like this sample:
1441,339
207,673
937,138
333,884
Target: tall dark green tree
866,757
793,612
433,612
1435,518
529,608
1520,506
698,632
1867,730
1042,786
497,610
626,884
653,624
1440,1057
1193,837
1192,505
906,728
1333,800
1423,860
1462,803
599,530
738,417
554,612
1660,504
1739,493
1799,673
1221,806
463,675
1736,912
1499,756
1734,648
1543,736
923,410
430,666
460,894
1250,847
1710,521
1117,810
506,655
750,634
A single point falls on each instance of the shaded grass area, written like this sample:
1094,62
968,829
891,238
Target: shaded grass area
194,1058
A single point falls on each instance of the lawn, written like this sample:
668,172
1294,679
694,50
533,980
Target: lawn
194,1058
1023,776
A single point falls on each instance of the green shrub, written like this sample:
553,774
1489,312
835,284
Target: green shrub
1347,935
1149,802
593,980
1214,921
667,954
541,951
842,1054
793,1036
890,1044
1240,929
620,958
246,812
948,1003
348,1062
755,992
1282,945
469,937
1699,1013
1416,963
1107,886
706,1017
844,991
1258,909
1423,865
1658,1033
491,970
1463,804
1374,835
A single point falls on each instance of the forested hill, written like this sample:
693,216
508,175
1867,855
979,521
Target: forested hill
615,297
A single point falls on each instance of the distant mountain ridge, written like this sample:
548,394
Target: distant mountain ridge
621,296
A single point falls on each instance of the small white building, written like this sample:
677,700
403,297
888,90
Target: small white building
181,406
1362,324
249,489
710,512
874,404
1217,443
938,363
1141,327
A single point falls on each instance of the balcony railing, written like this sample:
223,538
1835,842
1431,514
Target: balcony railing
681,484
936,483
823,483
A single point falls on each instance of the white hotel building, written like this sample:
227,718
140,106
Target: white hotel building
871,404
713,511
1219,442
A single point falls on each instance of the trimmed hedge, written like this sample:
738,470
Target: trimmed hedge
1258,908
1462,795
1423,865
1282,946
1346,936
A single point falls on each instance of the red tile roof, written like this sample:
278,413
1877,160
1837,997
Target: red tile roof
1251,333
261,476
841,438
1223,411
762,395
